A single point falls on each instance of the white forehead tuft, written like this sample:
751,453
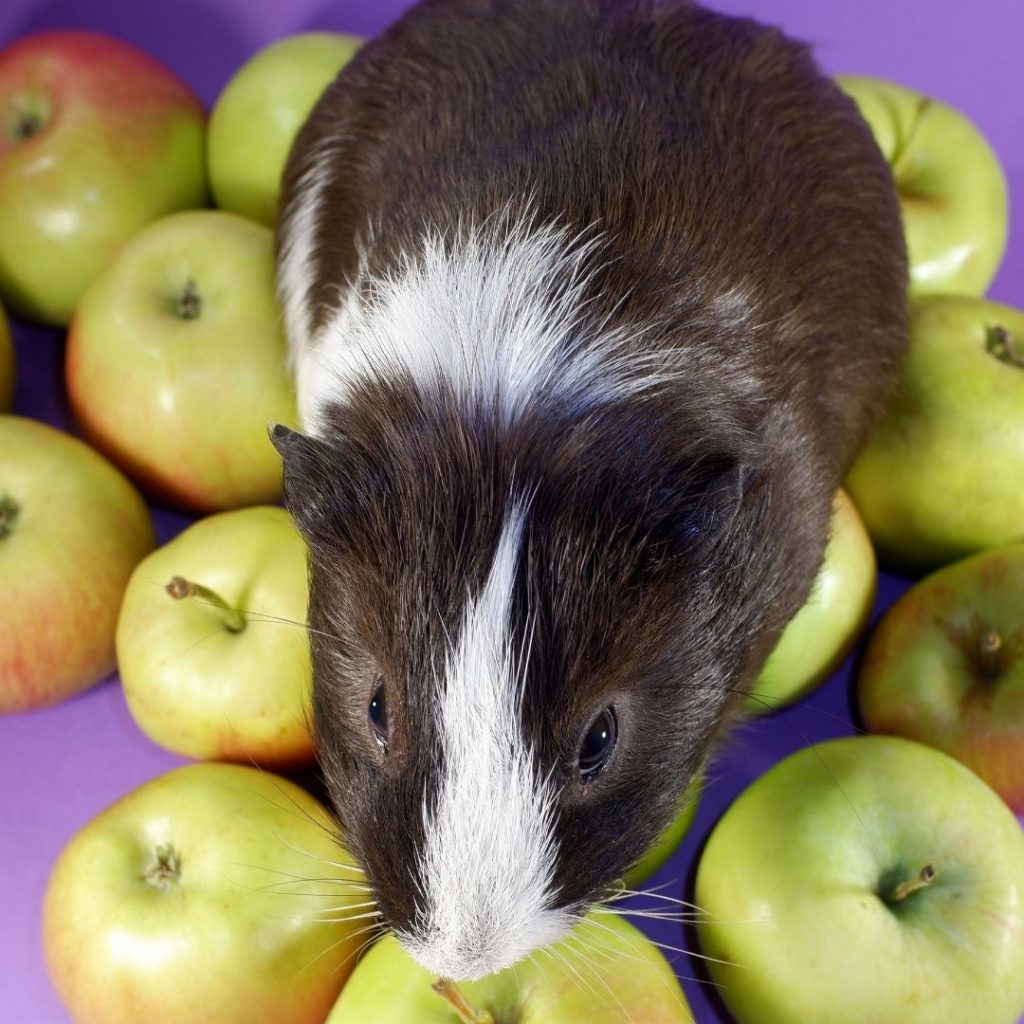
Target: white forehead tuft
497,313
487,865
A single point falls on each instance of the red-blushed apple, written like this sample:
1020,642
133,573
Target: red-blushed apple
952,188
259,113
605,972
824,630
72,529
176,362
213,893
940,477
868,878
945,666
96,139
211,645
7,365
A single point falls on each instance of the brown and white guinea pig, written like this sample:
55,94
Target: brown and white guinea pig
590,303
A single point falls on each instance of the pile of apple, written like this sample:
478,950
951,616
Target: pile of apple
867,858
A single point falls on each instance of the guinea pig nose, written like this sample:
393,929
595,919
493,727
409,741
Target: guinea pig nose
598,744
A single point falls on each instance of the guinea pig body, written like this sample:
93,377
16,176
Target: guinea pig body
591,303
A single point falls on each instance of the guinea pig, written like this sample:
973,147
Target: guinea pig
590,305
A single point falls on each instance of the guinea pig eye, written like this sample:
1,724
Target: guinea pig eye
598,744
377,714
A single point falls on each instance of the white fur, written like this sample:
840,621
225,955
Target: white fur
489,855
497,313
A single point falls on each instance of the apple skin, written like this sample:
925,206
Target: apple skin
180,401
229,931
605,972
668,842
792,878
260,111
7,365
79,531
823,632
926,676
120,142
953,191
940,477
192,684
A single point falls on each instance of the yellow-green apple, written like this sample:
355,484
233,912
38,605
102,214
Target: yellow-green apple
6,365
216,892
868,878
176,362
940,477
824,630
96,139
72,529
952,188
605,972
211,645
668,842
259,113
945,666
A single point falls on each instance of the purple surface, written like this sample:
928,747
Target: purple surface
60,767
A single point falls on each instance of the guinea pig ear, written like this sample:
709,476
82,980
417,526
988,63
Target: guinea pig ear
732,489
314,485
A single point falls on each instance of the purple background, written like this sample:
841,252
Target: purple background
60,767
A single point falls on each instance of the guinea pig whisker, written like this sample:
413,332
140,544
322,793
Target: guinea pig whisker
581,953
345,918
368,929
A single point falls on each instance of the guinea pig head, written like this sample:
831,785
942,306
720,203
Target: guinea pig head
520,654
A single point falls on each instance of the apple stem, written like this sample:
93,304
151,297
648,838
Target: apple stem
467,1014
27,125
166,870
1000,343
189,305
921,880
8,516
990,645
179,587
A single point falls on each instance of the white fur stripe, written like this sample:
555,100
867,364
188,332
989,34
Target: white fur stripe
489,855
498,313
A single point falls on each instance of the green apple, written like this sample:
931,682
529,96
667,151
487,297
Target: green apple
211,644
6,365
96,139
945,666
259,113
953,191
940,477
867,878
823,632
213,893
176,362
72,529
668,842
605,972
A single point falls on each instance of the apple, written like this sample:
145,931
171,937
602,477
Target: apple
940,477
96,139
216,892
945,666
211,644
824,630
176,362
259,113
6,365
868,878
668,842
952,189
605,972
72,529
